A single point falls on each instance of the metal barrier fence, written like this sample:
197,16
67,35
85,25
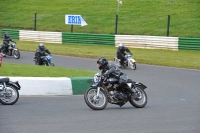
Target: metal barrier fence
14,34
152,42
149,42
189,43
131,24
82,38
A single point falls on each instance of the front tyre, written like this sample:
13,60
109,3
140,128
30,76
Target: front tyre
132,65
16,54
94,102
139,99
52,64
10,96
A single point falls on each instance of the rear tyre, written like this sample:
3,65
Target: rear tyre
139,99
117,61
3,51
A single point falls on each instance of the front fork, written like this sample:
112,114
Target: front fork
98,90
96,97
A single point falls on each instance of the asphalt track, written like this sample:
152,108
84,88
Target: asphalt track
173,105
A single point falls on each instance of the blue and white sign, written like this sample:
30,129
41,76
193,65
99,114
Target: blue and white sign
75,20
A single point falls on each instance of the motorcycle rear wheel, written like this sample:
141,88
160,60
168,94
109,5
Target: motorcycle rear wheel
94,102
3,52
140,98
11,95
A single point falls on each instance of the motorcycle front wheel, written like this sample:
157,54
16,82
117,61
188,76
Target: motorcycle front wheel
139,99
93,101
52,64
132,64
16,54
10,96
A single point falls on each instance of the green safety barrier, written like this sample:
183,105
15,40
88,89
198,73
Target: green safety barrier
83,38
14,34
189,43
81,84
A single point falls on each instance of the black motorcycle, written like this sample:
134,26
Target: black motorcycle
9,91
107,90
12,51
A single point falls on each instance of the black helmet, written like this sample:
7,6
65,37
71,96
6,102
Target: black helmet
6,34
102,61
41,46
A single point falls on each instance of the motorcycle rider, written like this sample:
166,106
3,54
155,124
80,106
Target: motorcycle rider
121,52
112,71
40,51
6,41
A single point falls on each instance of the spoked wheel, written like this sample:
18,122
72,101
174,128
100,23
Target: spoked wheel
139,100
95,102
36,62
16,54
46,63
10,96
116,61
132,65
52,64
3,52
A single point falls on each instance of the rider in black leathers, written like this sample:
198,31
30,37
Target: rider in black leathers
40,51
121,53
112,71
6,41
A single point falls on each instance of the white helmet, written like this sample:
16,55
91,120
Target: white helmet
41,45
121,45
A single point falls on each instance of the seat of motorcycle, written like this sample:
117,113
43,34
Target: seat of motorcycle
4,80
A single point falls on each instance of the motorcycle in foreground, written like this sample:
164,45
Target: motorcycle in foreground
12,51
129,62
107,90
9,91
46,60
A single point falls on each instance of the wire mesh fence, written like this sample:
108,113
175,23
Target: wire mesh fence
134,24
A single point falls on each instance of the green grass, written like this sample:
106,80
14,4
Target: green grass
138,17
181,59
10,69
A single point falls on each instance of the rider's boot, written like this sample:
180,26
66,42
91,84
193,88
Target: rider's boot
121,65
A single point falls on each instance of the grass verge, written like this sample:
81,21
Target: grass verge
137,17
10,69
181,58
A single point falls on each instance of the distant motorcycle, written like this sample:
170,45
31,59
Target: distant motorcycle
9,94
129,62
46,60
12,51
107,90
